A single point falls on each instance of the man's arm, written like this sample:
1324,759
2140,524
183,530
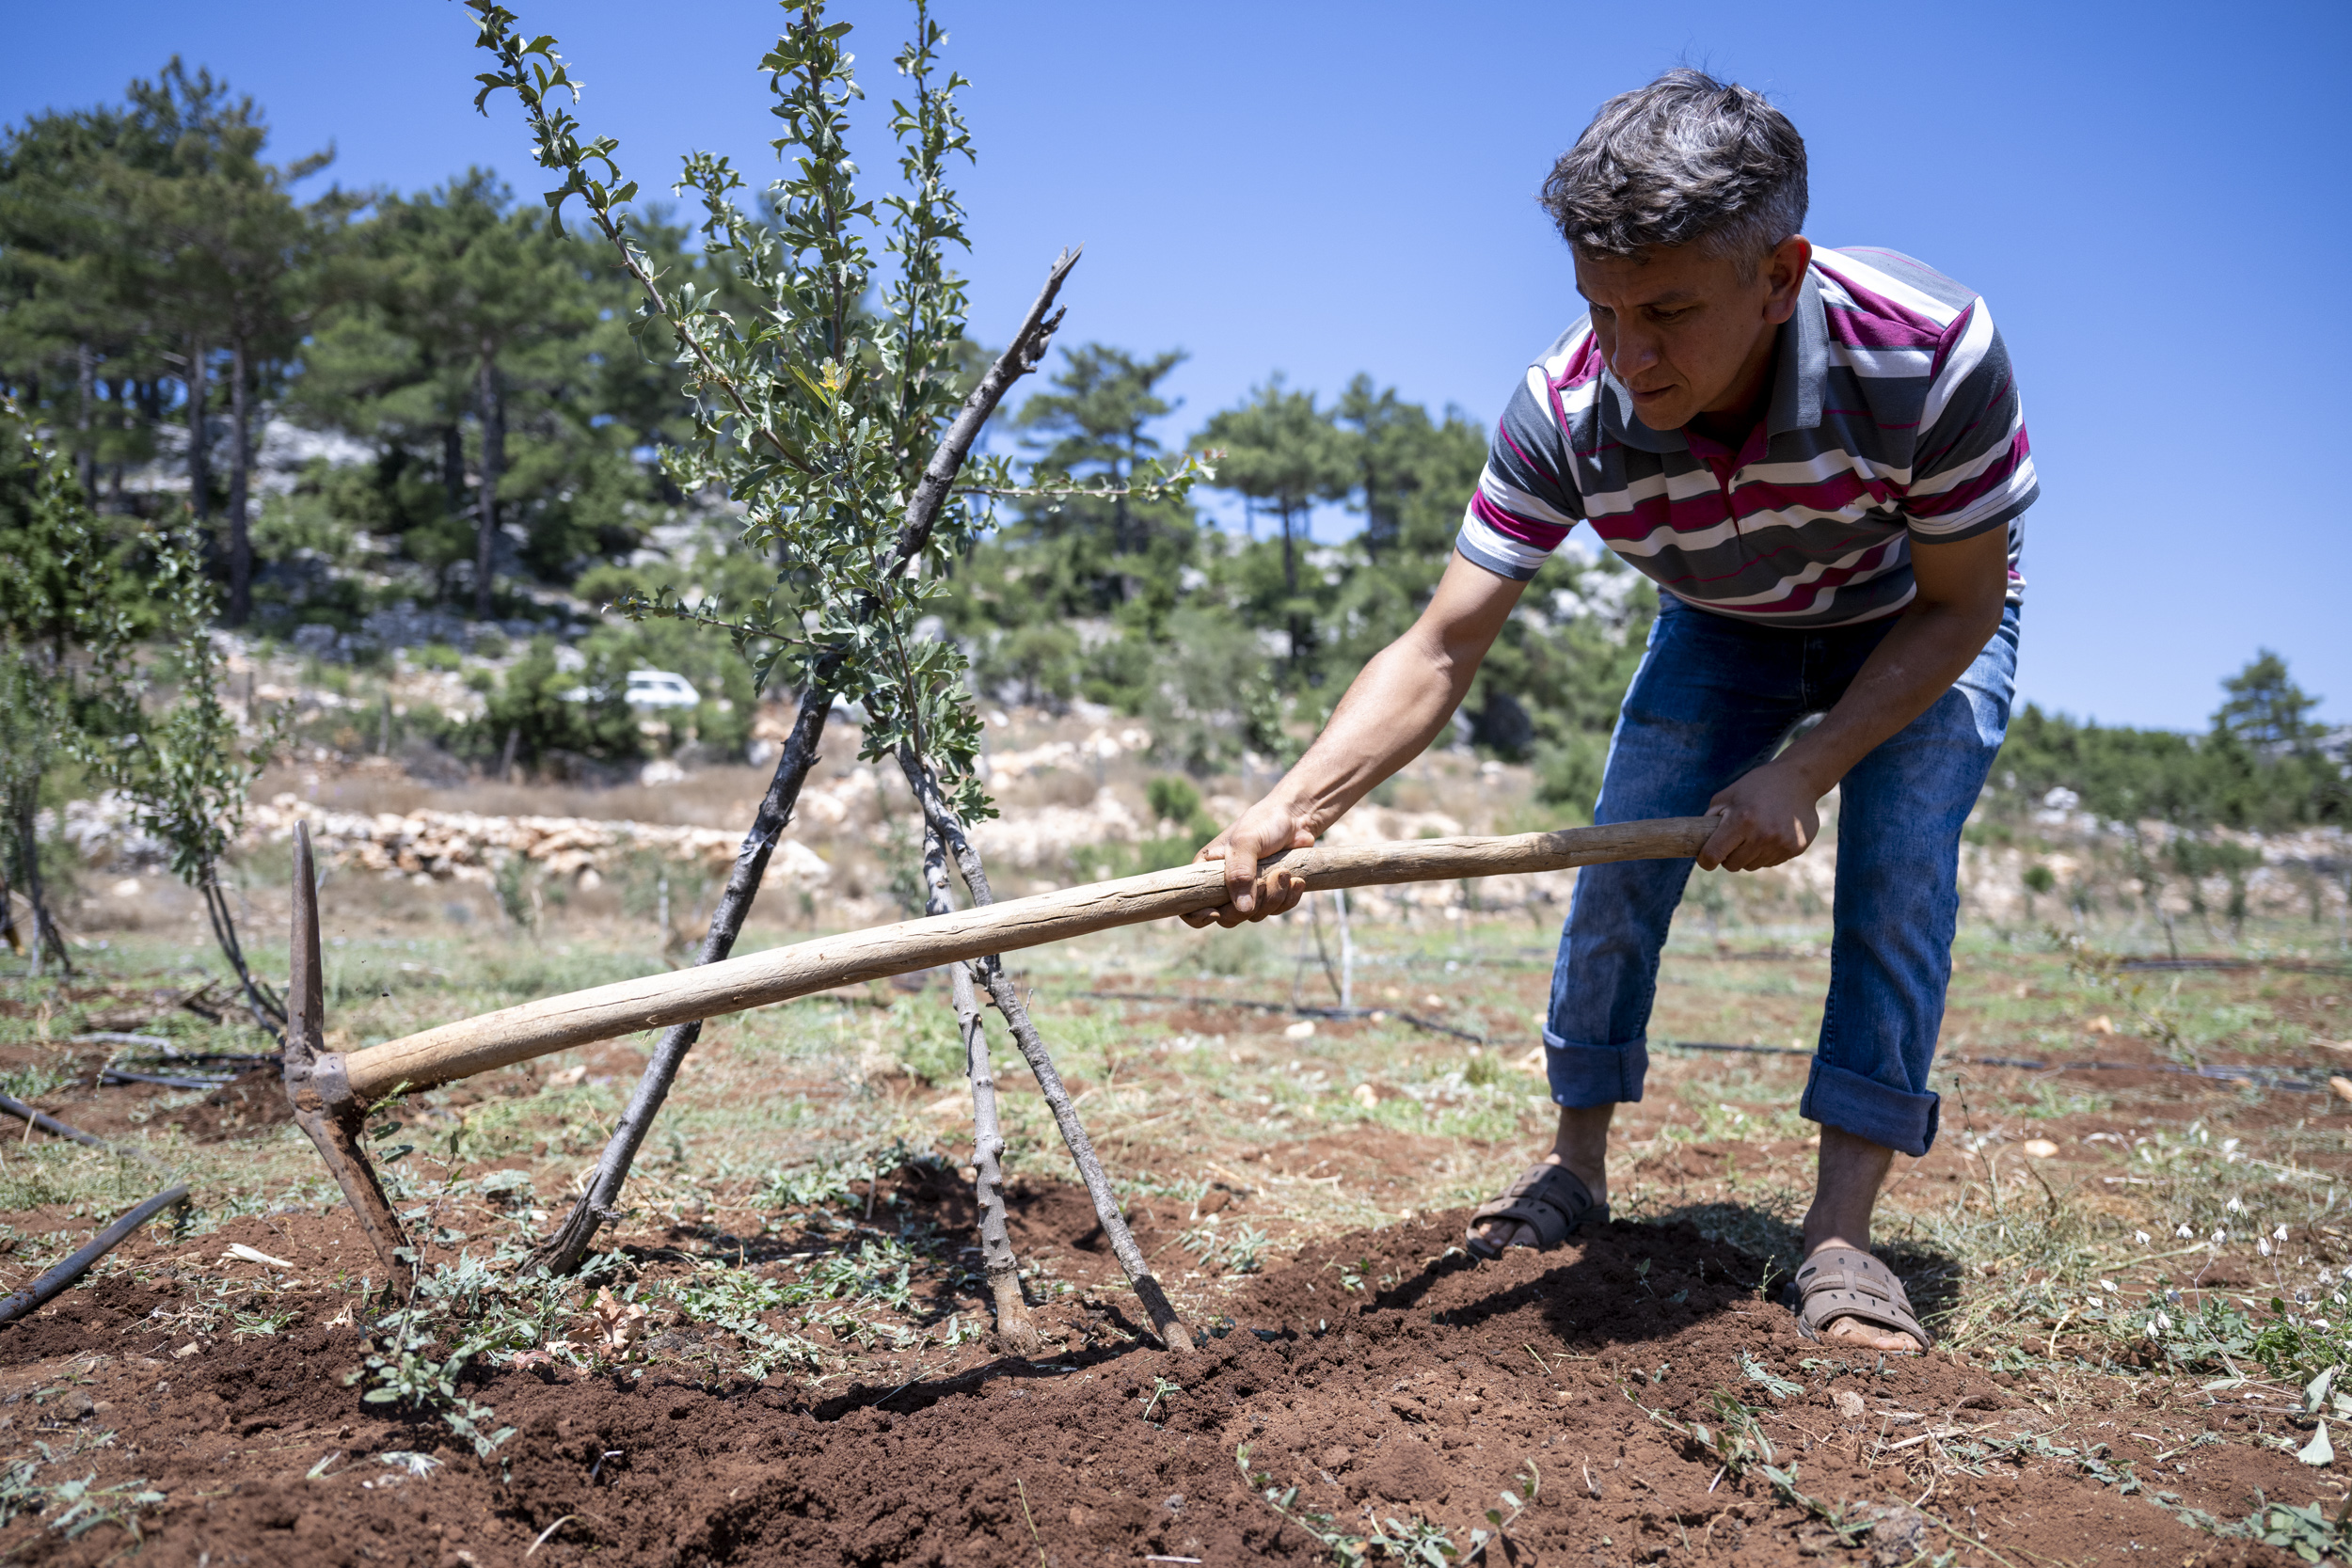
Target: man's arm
1772,814
1391,714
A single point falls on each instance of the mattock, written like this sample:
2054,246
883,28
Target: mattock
332,1091
323,1106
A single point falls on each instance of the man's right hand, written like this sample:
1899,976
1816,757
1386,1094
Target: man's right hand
1251,893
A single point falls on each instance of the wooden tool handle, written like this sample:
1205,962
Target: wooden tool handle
512,1035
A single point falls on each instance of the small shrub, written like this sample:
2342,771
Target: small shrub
547,710
517,892
1175,800
1034,664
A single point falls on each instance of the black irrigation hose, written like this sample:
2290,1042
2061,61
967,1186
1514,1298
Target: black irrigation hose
162,1080
50,1124
1743,1049
2291,966
2262,1077
49,1285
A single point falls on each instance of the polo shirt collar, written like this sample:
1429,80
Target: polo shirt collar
1800,367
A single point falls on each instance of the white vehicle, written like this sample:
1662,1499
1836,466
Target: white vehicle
661,689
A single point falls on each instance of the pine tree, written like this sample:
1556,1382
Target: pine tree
1280,448
230,266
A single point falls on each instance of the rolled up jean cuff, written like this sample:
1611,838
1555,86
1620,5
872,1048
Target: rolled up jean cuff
1901,1120
1587,1075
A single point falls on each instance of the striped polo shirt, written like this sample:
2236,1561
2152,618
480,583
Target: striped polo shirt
1893,414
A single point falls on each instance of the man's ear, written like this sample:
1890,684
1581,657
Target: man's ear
1784,272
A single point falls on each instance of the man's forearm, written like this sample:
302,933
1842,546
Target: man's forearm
1917,662
1771,813
1393,711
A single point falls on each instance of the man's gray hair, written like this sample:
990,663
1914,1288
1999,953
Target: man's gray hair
1685,160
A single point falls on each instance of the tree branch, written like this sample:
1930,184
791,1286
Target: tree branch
1023,355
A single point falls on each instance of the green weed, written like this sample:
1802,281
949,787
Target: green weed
404,1370
2310,1532
1772,1382
80,1505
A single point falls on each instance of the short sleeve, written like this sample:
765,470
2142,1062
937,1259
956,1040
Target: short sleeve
1527,500
1971,470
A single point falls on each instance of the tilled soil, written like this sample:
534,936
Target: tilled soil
1388,1379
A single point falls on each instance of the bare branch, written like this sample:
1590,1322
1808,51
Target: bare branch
1024,353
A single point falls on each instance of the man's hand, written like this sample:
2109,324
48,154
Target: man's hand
1769,816
1264,831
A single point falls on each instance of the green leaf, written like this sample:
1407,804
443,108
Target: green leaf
2319,1451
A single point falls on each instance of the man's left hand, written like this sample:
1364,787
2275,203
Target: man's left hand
1769,816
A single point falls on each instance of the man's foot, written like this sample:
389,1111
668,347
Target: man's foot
1539,1209
1582,1146
1846,1297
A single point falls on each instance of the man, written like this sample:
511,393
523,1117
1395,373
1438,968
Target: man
1818,458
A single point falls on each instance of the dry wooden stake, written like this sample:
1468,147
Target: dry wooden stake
1002,1269
318,1090
940,819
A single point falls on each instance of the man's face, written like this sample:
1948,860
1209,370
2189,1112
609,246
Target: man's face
1684,333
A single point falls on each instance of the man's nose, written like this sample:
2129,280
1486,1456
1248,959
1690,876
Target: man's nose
1633,353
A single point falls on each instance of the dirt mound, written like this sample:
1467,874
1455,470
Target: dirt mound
1383,1374
251,1102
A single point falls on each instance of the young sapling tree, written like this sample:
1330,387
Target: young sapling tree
185,767
839,433
61,614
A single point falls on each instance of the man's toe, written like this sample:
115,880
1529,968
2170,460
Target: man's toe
1855,1331
1507,1233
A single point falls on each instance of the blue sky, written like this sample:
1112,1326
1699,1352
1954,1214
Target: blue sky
2152,198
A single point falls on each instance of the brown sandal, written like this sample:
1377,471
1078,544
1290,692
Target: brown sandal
1838,1282
1550,1199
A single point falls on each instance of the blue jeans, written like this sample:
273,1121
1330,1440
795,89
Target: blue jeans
1713,699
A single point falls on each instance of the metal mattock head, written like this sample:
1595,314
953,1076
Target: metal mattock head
314,1073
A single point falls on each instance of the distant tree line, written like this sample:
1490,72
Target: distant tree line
164,288
2263,765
